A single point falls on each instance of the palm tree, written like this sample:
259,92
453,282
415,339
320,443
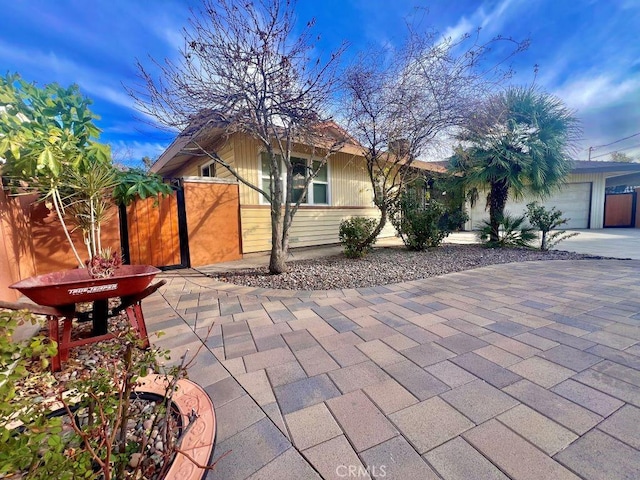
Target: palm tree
520,143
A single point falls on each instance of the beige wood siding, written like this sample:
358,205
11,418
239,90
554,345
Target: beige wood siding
349,185
191,168
311,226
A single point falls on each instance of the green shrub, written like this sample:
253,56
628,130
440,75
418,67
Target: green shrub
38,433
424,224
420,226
353,234
90,439
455,219
514,232
545,221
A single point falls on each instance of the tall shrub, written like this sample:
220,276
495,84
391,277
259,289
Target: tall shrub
545,221
421,225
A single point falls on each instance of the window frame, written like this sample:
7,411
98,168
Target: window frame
308,161
212,168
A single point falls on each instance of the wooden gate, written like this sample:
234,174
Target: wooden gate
198,225
620,210
151,232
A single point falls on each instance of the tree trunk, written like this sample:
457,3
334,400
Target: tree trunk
543,245
370,240
497,202
278,259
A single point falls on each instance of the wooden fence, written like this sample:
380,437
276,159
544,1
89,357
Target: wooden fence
197,226
620,210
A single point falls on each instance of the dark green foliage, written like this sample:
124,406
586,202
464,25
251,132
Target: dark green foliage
512,232
545,221
518,143
421,224
354,233
135,182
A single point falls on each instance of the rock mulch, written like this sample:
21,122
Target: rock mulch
387,265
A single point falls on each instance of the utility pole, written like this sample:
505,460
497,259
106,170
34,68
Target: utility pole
590,150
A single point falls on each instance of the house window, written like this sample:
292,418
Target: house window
318,191
299,176
265,168
208,170
320,184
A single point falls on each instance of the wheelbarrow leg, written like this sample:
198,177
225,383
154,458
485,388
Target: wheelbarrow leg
54,335
63,348
136,320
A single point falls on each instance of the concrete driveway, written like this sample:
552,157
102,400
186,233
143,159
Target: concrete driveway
608,242
522,371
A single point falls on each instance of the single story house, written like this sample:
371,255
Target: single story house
343,189
340,191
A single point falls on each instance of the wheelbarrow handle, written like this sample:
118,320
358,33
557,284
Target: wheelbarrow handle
133,299
39,309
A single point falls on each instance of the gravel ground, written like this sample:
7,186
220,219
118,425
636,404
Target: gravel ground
386,265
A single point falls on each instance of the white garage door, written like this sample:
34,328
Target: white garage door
573,201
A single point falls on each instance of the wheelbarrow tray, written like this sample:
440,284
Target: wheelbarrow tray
74,286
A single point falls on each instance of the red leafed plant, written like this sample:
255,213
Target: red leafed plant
104,264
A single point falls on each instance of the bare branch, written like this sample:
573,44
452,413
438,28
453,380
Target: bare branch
245,68
398,107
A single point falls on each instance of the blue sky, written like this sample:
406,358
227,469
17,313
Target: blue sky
587,51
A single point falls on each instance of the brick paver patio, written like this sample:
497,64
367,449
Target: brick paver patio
524,371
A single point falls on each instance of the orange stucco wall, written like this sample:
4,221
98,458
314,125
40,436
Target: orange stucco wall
33,241
16,248
213,222
51,249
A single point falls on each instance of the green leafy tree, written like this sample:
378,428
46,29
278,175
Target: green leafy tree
545,221
47,139
520,142
136,183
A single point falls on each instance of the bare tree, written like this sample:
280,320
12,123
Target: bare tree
245,70
400,107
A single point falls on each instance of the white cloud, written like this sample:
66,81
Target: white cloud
131,153
490,20
592,91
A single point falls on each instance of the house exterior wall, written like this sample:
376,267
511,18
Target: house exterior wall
596,207
311,226
350,195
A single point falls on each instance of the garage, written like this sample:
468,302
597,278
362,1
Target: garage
573,200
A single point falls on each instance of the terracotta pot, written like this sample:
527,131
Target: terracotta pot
199,440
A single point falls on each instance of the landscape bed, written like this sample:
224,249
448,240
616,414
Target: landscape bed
386,265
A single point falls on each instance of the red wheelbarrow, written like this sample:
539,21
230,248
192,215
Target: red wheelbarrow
56,295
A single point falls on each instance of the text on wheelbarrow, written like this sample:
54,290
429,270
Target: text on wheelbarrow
93,289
